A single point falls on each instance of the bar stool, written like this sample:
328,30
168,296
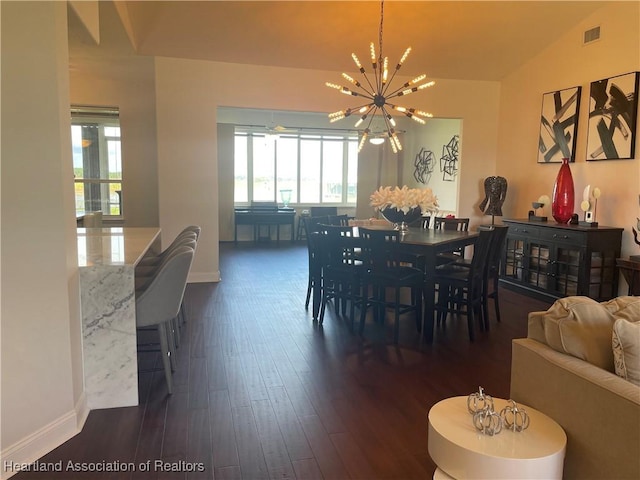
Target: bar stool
159,303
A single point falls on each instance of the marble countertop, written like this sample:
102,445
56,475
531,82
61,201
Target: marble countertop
114,246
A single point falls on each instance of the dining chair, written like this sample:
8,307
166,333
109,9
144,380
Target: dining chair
460,288
158,304
314,280
492,277
490,282
341,220
342,270
388,267
451,224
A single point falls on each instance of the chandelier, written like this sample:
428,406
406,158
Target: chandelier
378,92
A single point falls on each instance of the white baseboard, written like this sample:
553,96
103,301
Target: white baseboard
41,442
198,277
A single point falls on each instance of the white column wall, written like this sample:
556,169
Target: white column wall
41,357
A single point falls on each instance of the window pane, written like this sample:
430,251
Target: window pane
332,154
240,171
97,164
309,171
287,163
264,184
352,172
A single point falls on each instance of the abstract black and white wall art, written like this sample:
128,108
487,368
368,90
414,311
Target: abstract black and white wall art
613,109
449,159
424,164
559,125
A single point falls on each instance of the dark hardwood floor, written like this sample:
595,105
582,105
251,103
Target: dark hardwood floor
262,391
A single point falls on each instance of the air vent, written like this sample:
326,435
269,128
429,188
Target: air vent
591,35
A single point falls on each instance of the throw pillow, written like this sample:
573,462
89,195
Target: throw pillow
581,327
626,349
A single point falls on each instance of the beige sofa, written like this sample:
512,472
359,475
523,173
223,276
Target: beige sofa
566,369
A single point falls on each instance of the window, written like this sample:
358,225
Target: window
317,168
97,160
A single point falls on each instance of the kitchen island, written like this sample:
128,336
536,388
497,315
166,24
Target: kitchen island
106,259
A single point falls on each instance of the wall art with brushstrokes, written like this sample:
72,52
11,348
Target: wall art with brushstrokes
559,125
613,113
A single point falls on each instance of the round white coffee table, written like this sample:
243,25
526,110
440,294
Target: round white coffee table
460,451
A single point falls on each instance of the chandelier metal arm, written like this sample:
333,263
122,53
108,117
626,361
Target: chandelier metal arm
378,90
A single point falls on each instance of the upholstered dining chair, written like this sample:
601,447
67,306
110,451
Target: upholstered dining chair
460,288
388,267
159,303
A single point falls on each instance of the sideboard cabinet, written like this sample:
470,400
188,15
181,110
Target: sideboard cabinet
552,261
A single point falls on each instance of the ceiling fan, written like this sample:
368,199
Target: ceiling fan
277,129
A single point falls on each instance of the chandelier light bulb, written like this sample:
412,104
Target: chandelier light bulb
365,134
404,57
376,140
379,91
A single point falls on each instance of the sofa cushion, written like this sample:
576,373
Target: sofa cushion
626,349
581,327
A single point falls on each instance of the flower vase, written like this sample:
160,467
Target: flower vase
563,199
399,218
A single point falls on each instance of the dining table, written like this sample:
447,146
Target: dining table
429,243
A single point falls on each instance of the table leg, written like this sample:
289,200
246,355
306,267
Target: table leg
429,297
317,295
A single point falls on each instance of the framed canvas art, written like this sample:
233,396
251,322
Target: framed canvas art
613,113
558,125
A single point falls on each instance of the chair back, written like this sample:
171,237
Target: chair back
312,224
481,250
339,245
160,301
342,220
444,223
381,249
497,249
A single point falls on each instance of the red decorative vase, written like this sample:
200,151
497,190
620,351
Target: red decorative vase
563,199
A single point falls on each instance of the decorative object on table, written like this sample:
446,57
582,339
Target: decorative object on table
400,218
558,125
479,401
613,107
589,206
401,206
514,417
285,195
378,93
535,215
487,421
449,159
495,191
424,165
563,199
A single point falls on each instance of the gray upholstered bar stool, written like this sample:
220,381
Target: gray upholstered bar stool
159,303
190,231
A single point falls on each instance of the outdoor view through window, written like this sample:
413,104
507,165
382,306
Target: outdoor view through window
97,161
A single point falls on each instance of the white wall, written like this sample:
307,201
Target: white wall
433,136
565,64
41,354
111,74
189,91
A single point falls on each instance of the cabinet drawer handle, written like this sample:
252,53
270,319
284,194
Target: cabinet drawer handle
564,237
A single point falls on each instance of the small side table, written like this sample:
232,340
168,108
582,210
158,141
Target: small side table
460,451
631,272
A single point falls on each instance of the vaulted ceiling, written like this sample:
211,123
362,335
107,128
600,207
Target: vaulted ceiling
471,40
